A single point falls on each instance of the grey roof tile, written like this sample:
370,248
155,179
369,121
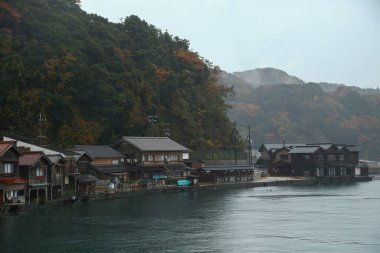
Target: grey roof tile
154,144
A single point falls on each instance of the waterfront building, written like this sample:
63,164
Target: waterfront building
56,175
225,174
34,167
311,159
12,187
108,164
77,175
158,158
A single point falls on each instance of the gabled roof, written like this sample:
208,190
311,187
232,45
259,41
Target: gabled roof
154,143
99,151
304,150
7,145
31,158
34,145
55,158
352,148
81,153
275,146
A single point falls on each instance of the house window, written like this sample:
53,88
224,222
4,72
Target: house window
341,157
321,158
148,158
115,161
343,171
319,172
306,157
8,168
171,158
332,171
160,158
58,169
39,172
331,157
284,157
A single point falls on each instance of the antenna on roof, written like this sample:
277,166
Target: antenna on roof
41,121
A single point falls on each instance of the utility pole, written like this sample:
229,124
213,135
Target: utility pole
249,145
235,143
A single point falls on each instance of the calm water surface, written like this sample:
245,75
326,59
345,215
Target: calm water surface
340,218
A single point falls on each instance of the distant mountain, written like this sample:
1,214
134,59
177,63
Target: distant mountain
267,76
283,107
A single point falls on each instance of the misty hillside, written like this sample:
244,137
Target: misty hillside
267,76
93,81
310,112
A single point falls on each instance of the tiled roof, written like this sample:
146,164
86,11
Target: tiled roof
35,143
276,146
55,158
154,144
13,180
303,150
228,168
5,146
112,168
30,158
352,148
100,151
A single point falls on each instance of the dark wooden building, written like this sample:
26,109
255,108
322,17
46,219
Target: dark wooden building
34,168
12,187
158,158
310,159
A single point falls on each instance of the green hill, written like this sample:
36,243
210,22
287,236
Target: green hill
308,112
92,80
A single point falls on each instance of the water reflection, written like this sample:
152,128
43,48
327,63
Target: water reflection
343,218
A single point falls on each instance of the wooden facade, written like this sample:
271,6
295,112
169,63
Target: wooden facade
56,177
12,187
315,160
108,164
34,168
155,157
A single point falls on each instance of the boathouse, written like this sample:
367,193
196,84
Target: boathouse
12,187
310,159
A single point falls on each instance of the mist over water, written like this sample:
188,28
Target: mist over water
334,218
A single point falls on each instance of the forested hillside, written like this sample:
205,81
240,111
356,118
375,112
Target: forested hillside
309,112
93,81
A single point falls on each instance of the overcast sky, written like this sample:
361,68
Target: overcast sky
335,41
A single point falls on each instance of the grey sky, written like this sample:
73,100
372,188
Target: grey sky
335,41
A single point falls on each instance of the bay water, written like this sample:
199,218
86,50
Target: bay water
330,218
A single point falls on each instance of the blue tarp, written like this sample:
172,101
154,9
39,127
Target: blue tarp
159,176
183,182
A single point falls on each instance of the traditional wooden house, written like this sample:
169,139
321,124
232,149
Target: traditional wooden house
82,180
306,161
34,168
108,164
77,172
310,159
56,177
156,158
225,174
12,187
